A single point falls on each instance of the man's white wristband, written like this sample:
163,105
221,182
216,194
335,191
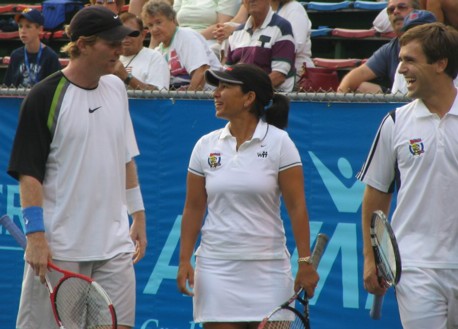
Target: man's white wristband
134,200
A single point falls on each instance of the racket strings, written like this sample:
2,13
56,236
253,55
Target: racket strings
386,250
80,305
284,319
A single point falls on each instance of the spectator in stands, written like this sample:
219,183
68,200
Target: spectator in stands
383,63
266,40
34,61
186,51
204,15
135,7
114,5
292,11
446,11
140,67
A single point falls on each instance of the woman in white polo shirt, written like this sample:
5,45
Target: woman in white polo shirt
237,175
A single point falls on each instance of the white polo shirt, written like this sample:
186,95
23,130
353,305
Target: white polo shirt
424,148
243,219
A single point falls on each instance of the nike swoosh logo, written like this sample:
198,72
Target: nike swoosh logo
93,110
263,145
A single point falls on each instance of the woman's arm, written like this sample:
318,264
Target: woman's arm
191,223
292,187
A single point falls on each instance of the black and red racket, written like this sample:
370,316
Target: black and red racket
77,300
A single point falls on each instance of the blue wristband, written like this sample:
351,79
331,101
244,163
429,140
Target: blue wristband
33,219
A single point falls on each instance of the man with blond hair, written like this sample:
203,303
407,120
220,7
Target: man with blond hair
73,155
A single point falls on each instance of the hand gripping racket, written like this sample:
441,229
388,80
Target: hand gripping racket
77,300
387,257
286,316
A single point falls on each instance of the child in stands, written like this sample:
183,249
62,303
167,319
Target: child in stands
34,61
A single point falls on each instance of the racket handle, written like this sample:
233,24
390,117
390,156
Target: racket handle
376,309
15,231
320,244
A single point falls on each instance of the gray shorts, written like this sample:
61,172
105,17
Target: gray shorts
115,275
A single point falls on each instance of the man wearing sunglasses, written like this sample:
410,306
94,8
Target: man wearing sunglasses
140,67
383,63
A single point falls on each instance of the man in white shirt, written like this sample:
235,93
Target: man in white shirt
73,155
416,150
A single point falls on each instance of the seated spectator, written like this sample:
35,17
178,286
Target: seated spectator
114,5
204,15
266,40
446,11
185,50
34,61
416,17
140,67
383,63
135,7
292,11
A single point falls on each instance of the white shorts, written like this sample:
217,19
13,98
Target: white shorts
115,275
239,290
428,298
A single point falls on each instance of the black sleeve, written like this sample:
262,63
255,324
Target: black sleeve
33,138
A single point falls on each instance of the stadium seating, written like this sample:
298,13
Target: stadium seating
337,64
328,6
341,31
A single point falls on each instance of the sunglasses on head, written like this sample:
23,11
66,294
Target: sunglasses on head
400,6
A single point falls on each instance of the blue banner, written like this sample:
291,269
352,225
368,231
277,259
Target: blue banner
333,140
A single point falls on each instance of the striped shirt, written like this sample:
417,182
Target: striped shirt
271,47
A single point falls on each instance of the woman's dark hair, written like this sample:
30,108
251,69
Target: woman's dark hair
277,113
273,107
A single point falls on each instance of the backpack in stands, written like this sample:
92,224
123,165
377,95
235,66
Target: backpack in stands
57,13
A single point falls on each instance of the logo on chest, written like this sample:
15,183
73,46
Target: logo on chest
214,160
262,154
416,146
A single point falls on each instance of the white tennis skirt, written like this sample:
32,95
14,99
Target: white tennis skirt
239,290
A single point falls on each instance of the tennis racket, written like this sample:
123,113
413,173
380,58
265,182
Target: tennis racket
289,317
387,257
77,301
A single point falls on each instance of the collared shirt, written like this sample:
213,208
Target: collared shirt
271,47
243,195
419,150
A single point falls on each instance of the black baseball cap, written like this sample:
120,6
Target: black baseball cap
252,77
99,21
